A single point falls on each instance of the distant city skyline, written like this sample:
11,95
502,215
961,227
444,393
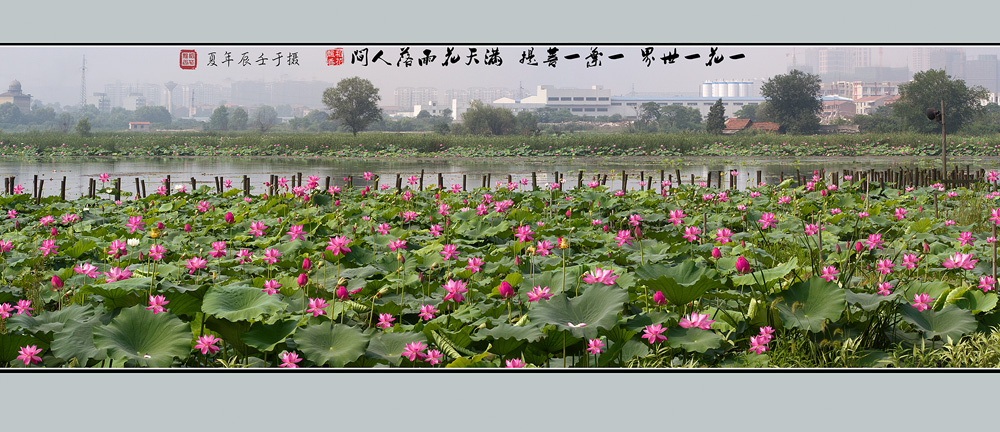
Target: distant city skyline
53,73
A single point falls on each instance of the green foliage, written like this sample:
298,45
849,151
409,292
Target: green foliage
716,120
354,102
83,127
795,101
927,90
264,118
219,120
483,119
747,112
239,119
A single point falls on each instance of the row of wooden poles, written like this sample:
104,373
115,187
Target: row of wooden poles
897,178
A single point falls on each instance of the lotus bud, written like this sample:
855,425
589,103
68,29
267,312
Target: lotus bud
742,265
336,203
159,225
56,282
716,253
569,213
857,247
517,260
638,233
302,280
659,298
605,228
187,228
420,277
306,264
837,248
400,258
927,249
54,231
505,290
342,293
229,218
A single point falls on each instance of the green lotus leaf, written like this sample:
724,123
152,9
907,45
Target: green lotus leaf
47,322
950,322
77,342
81,247
597,307
768,276
390,346
693,339
149,339
239,303
528,333
265,336
680,284
11,343
333,344
807,305
868,301
977,301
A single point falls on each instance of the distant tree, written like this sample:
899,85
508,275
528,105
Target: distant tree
716,120
83,127
239,119
765,113
10,114
64,122
482,119
446,113
153,114
927,90
219,121
354,102
264,118
747,112
423,114
442,128
526,123
795,100
675,118
42,114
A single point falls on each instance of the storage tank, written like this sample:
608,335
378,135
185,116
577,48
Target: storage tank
716,89
706,89
732,89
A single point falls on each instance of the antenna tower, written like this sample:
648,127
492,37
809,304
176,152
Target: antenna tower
83,83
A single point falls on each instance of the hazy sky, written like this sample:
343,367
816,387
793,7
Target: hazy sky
52,73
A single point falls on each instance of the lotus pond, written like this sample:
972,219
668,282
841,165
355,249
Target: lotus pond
496,277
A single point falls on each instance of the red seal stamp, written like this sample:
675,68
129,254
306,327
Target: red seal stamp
335,57
189,59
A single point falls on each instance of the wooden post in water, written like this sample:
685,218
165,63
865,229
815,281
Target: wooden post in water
377,177
143,182
484,181
440,181
624,180
118,189
38,198
579,179
464,188
534,180
168,184
138,189
194,185
421,179
62,189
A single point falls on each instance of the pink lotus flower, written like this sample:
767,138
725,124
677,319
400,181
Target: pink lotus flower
18,189
995,216
435,230
722,235
271,286
207,344
784,200
257,228
289,360
624,237
6,246
949,222
5,310
204,206
271,256
316,306
594,346
117,274
659,298
397,244
653,333
433,357
599,275
24,307
45,221
117,249
596,222
676,217
385,321
634,220
758,344
449,251
767,220
29,354
987,283
691,233
156,304
456,289
294,232
874,241
48,247
862,215
194,264
742,265
339,245
922,301
474,264
910,261
812,229
697,320
87,269
506,290
427,312
218,249
383,228
900,213
13,214
409,216
544,248
244,255
830,273
538,293
524,234
885,288
156,252
70,218
413,350
960,260
965,238
515,364
367,176
884,266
